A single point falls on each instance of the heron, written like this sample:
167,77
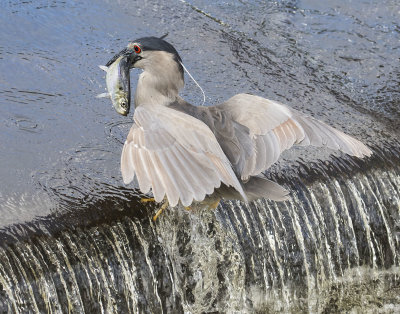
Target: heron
185,153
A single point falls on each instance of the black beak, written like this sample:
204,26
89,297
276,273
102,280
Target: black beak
124,52
130,55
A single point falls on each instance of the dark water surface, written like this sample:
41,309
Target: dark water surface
338,61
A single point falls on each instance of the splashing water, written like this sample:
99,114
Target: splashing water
309,253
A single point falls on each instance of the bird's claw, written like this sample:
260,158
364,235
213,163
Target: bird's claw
214,205
163,206
146,200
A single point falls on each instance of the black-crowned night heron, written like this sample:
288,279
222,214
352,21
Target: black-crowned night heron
187,152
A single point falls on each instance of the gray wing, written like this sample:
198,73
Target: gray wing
274,127
175,155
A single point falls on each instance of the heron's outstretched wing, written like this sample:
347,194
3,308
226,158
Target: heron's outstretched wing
174,154
275,127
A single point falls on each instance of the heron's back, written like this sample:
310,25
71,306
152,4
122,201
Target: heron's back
233,137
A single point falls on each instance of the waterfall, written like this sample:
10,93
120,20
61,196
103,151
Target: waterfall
336,237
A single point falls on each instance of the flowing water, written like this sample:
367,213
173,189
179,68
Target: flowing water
74,239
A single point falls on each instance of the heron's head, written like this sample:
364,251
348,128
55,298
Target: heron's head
162,76
152,54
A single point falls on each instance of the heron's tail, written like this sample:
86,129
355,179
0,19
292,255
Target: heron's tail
255,188
258,187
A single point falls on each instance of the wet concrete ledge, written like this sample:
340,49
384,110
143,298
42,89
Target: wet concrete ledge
264,256
125,202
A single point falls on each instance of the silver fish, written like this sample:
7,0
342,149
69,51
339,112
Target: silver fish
118,85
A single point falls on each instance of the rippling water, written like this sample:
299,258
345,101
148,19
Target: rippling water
60,149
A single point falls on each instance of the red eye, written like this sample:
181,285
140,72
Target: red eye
137,49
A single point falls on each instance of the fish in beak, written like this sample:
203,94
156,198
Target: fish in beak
118,83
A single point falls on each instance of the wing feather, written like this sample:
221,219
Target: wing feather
159,182
193,175
194,169
175,155
261,151
280,134
269,141
205,176
280,127
173,185
139,157
127,160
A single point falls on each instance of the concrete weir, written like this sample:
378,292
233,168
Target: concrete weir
333,245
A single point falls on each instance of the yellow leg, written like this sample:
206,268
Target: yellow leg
146,200
163,206
214,205
188,208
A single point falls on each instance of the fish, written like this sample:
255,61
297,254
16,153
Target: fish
118,85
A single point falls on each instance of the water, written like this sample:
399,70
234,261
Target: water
328,247
74,238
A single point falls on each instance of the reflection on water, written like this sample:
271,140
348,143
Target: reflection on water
73,237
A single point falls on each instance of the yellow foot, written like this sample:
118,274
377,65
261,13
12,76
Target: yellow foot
188,208
214,205
163,206
146,200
